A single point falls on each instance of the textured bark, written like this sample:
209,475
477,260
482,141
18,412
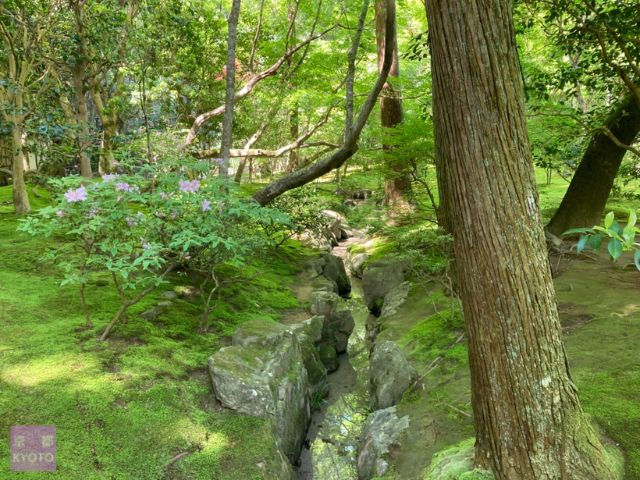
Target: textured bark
227,122
585,200
528,419
397,185
20,196
83,135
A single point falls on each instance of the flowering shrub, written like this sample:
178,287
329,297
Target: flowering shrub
141,226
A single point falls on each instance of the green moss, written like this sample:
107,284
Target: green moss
126,407
456,463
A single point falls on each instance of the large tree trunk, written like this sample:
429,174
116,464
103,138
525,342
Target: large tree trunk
20,196
397,186
528,419
83,134
227,122
584,202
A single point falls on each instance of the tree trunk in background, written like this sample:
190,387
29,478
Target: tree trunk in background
294,131
397,185
227,122
20,196
528,419
585,200
83,134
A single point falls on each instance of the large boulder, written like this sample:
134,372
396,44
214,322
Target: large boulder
334,228
390,374
379,278
331,268
266,378
379,442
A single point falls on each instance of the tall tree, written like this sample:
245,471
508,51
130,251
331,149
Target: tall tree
528,419
23,25
227,122
587,195
397,186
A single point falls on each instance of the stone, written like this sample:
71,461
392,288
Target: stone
169,295
186,291
379,441
329,357
334,270
338,320
390,374
394,299
334,222
379,278
266,379
356,264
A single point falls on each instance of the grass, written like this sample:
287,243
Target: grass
126,407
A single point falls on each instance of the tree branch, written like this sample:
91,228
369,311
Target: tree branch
350,145
248,87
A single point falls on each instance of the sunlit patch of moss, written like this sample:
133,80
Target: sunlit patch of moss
126,407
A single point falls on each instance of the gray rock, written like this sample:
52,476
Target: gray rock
334,270
335,222
329,357
390,374
338,320
356,264
394,299
169,295
380,439
266,379
379,278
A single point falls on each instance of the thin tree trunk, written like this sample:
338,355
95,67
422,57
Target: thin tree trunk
227,122
20,196
528,419
397,185
585,200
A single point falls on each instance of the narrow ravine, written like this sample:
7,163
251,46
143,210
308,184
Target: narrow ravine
330,450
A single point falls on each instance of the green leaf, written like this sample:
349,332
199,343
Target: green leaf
615,248
581,243
636,258
572,231
608,220
595,241
633,218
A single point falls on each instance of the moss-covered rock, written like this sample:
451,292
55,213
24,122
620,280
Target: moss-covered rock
390,374
456,463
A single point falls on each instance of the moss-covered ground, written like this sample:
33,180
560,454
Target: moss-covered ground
138,406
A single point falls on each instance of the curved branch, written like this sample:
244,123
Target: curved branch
350,145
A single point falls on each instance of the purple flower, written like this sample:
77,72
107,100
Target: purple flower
125,187
189,186
109,178
77,195
60,213
206,205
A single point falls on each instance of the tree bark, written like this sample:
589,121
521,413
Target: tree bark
397,186
20,196
227,122
585,200
83,134
528,419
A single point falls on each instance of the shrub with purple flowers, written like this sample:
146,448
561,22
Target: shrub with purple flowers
140,227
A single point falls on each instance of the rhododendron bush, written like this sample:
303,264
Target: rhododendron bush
140,226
